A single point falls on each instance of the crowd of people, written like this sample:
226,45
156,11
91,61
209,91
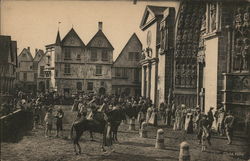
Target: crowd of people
194,120
178,117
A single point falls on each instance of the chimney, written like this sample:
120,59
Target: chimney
100,25
28,48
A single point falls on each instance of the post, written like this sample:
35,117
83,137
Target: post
132,124
143,132
159,144
184,152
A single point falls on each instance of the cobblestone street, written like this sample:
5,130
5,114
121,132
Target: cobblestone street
131,147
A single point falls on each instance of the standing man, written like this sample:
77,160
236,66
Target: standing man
59,123
220,122
229,123
48,122
168,113
173,109
210,117
183,115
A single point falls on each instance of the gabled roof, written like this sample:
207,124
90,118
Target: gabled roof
38,55
4,48
133,36
154,11
26,51
72,33
99,34
44,54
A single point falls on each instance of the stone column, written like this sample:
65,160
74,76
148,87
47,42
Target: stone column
143,81
149,80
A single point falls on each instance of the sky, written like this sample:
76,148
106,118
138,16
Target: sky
35,23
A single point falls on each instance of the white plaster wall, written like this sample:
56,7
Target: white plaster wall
152,90
161,80
211,73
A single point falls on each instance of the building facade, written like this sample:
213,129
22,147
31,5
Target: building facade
157,23
210,57
26,73
75,67
8,64
126,71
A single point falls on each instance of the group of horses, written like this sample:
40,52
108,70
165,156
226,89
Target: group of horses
105,123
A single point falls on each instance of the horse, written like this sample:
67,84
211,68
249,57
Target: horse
116,116
102,123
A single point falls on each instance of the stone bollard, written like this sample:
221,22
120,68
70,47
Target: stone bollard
132,124
143,132
184,152
159,144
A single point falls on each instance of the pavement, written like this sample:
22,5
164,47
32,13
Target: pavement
35,147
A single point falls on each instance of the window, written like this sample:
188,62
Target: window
104,55
124,72
41,71
24,76
31,67
67,69
67,54
35,76
136,75
130,56
56,73
19,64
137,56
117,72
90,86
93,55
79,86
98,70
102,83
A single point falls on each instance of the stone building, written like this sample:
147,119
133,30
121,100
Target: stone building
27,70
8,64
75,67
126,71
157,54
210,57
42,81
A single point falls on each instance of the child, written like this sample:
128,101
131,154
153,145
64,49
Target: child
59,117
48,121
